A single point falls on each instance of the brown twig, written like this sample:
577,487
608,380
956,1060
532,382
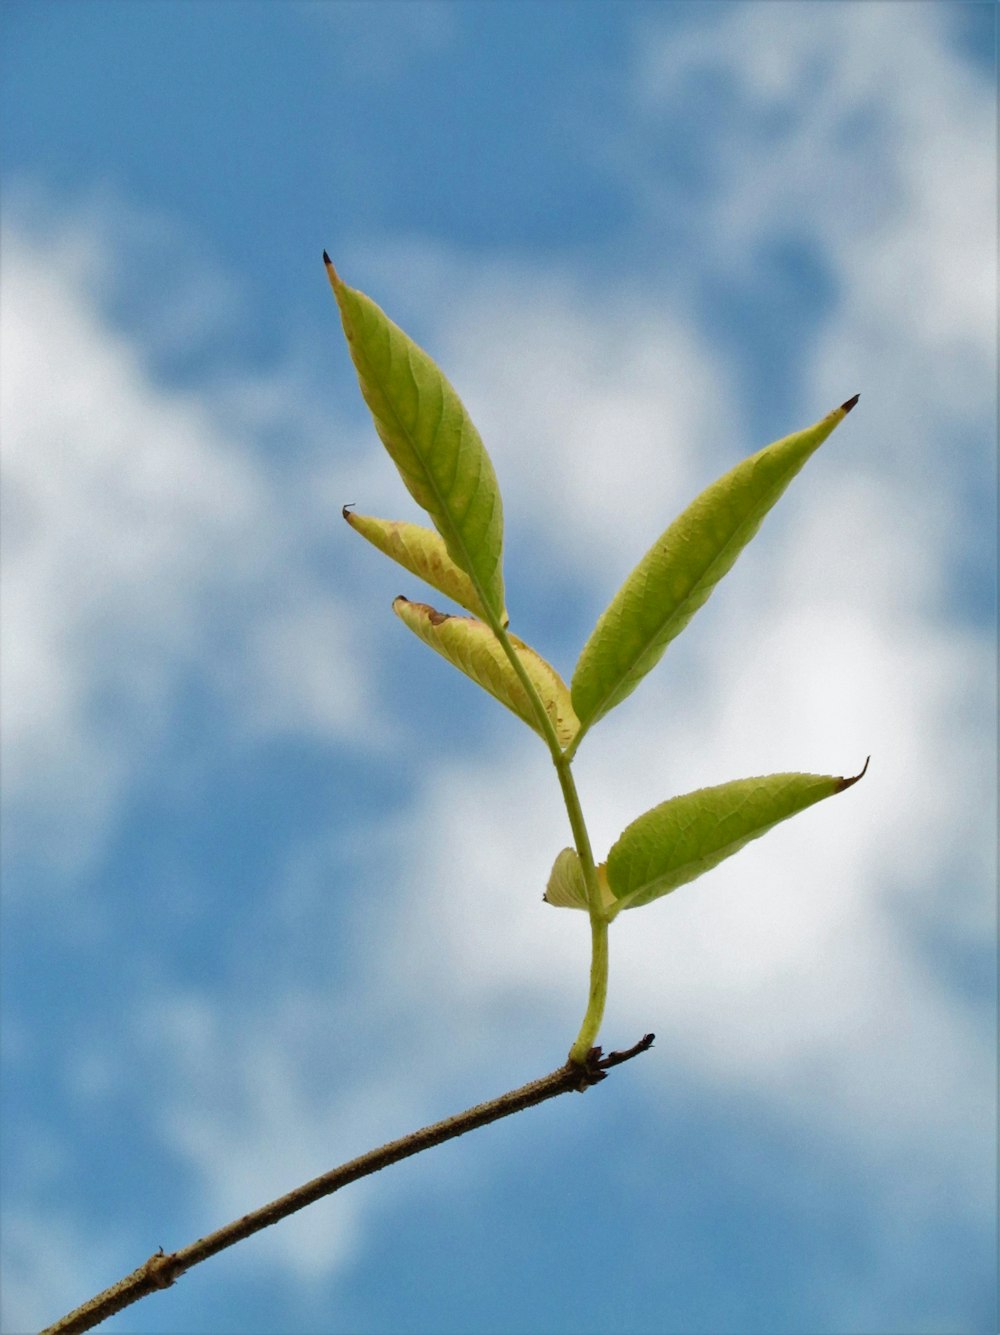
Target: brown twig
162,1269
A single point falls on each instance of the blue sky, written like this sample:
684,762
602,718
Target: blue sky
273,873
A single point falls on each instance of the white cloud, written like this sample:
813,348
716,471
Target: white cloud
585,396
861,130
140,539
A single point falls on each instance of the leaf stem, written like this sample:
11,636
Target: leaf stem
545,724
598,991
580,835
598,918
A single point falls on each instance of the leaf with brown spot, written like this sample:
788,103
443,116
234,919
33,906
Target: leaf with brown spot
471,646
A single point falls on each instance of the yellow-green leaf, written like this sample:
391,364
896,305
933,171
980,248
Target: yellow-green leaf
421,551
430,438
567,888
675,577
678,840
472,647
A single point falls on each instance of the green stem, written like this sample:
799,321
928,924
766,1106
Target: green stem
598,991
580,836
541,714
598,918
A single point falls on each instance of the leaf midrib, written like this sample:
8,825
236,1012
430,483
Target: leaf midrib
696,587
436,490
726,850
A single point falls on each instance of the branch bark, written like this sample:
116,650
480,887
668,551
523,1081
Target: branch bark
162,1269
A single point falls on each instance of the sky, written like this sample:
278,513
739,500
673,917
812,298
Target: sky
272,872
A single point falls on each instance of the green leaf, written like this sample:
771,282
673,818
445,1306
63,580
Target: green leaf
430,439
678,840
471,646
422,552
567,888
681,569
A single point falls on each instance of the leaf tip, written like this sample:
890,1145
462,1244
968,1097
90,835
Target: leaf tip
346,511
425,610
846,407
850,782
331,272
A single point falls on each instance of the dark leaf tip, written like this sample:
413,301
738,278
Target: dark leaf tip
331,272
346,512
848,783
846,407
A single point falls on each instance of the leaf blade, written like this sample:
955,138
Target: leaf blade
429,437
423,553
471,646
679,840
678,573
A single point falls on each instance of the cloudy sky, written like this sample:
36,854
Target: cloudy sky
273,871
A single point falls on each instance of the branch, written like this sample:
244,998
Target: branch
162,1269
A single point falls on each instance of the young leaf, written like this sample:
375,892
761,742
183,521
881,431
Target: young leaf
422,552
430,439
681,569
678,840
568,890
472,647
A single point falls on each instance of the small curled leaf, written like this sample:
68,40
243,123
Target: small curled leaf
471,646
567,888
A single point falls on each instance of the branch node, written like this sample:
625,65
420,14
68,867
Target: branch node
616,1058
594,1068
163,1269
